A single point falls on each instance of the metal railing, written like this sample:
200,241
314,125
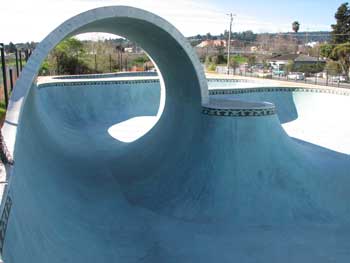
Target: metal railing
7,76
328,80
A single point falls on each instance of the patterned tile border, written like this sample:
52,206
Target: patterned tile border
116,81
334,91
4,220
239,112
108,75
230,80
100,82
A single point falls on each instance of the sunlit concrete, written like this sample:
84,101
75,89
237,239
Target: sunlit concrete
132,129
314,117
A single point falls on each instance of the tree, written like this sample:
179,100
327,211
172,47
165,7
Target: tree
296,26
234,64
70,46
266,65
199,37
32,45
251,61
68,57
290,66
45,68
341,30
212,67
315,51
207,60
209,36
12,48
284,44
326,50
333,68
309,68
140,61
341,53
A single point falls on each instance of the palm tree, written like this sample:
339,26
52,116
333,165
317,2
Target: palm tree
296,26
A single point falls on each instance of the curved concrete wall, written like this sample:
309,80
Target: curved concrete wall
28,122
183,76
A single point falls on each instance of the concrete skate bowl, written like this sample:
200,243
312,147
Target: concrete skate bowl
271,195
314,115
217,182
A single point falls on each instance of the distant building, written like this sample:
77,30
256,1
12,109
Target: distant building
212,43
254,48
148,65
312,44
279,61
129,50
133,49
221,43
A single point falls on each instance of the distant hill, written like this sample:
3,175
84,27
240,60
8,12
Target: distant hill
314,36
250,37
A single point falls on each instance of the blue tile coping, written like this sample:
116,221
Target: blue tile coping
237,108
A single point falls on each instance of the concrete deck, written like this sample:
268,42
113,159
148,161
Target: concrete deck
270,82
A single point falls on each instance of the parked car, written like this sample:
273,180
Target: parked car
266,75
296,76
338,79
320,75
279,73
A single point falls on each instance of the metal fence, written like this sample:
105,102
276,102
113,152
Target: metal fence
10,71
328,80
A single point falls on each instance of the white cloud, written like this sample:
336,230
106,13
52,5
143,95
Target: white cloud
32,20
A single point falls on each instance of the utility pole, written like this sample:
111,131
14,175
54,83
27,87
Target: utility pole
307,41
229,43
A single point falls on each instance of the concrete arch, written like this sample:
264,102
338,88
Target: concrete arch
185,82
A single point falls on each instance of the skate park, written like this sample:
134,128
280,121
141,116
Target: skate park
174,166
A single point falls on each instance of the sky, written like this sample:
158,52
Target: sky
25,21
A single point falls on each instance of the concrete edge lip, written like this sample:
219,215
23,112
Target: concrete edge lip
52,81
238,108
234,104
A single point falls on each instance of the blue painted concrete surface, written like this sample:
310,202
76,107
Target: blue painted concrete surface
241,190
195,188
